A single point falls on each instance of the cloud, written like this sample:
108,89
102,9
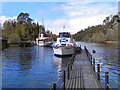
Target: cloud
89,9
40,12
49,9
58,0
56,26
76,16
80,15
78,24
4,18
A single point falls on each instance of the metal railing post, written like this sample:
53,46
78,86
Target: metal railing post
91,59
98,71
94,64
64,79
107,80
71,67
72,61
54,86
68,71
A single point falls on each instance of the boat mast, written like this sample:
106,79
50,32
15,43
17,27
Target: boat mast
64,30
39,32
42,22
63,27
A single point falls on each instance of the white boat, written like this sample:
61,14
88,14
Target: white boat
65,44
49,43
44,41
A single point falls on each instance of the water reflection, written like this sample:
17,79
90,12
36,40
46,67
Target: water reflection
28,67
17,59
38,67
107,56
61,62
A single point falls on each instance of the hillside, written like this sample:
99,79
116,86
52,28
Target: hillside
23,29
105,33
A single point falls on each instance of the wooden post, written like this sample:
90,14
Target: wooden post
107,80
98,70
54,86
94,64
64,80
68,71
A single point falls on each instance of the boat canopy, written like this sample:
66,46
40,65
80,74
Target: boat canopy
64,34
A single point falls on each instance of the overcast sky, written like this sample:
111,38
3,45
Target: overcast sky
74,15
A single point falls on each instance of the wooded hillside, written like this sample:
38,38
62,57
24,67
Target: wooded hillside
22,29
108,31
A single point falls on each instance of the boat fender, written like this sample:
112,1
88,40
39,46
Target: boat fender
93,51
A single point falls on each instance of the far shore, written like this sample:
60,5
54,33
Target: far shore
105,42
110,42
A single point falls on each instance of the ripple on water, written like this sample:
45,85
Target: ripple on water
36,67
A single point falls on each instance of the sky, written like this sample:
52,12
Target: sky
74,15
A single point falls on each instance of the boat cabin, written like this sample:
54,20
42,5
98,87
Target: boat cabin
65,34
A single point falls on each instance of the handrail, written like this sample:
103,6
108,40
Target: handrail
112,77
108,85
92,61
114,80
69,64
61,85
59,78
101,77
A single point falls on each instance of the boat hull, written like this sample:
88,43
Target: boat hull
49,44
41,43
63,51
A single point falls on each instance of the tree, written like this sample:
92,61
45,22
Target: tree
48,31
100,33
23,18
23,29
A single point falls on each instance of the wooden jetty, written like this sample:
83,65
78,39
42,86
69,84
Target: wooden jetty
81,73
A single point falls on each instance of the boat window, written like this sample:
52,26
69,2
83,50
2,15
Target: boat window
64,35
60,34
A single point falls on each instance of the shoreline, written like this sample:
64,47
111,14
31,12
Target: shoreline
103,42
110,42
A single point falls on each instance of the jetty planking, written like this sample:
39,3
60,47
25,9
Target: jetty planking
82,74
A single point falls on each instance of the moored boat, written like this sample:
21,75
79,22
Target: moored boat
41,40
65,45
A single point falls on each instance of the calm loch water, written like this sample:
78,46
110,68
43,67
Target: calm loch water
37,67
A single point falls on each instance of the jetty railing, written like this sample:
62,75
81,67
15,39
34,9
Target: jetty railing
66,72
99,68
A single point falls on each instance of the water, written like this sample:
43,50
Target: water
30,67
107,56
37,67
